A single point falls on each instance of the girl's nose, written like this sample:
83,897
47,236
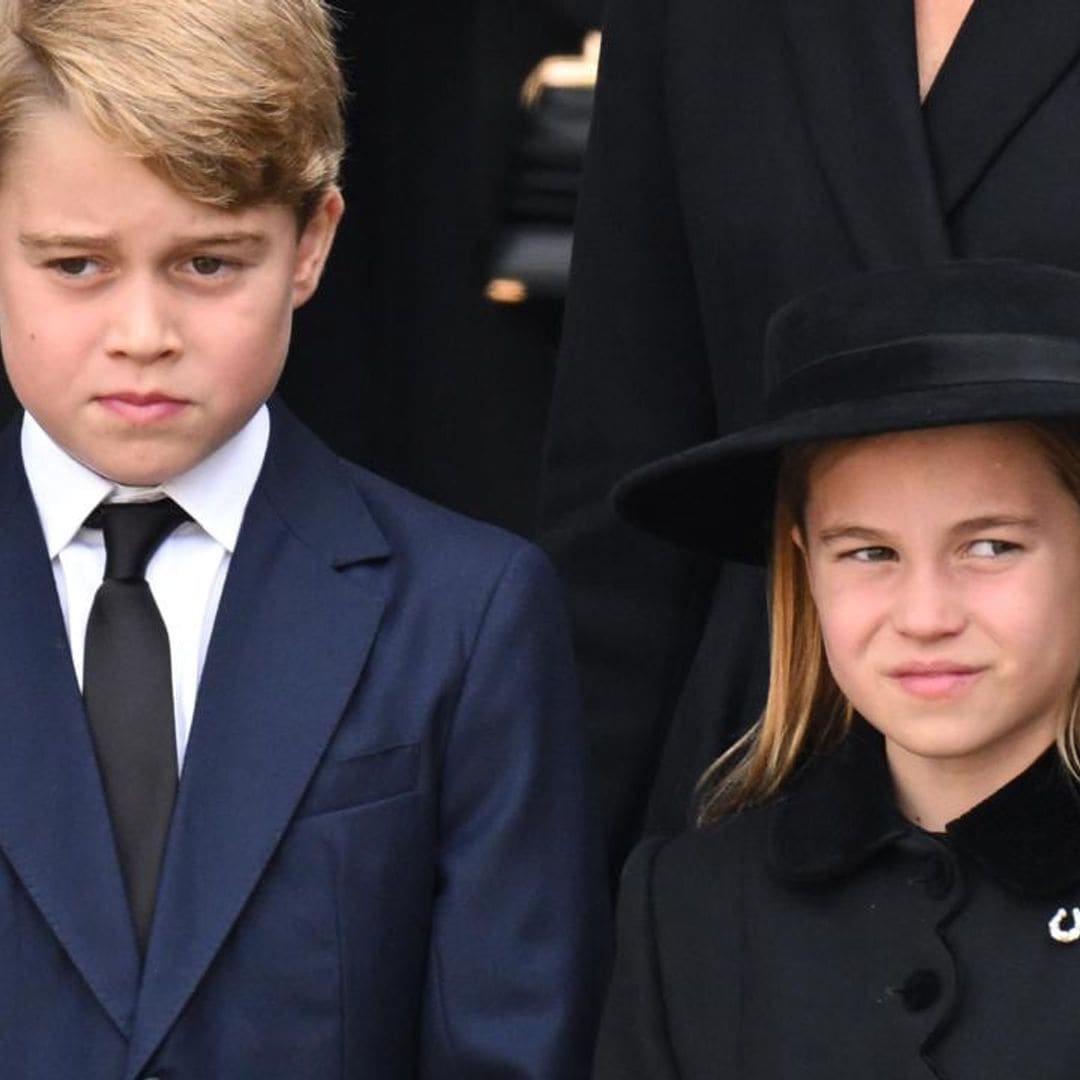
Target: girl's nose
927,603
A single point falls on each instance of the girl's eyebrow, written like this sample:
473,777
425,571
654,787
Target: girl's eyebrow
850,532
995,521
968,525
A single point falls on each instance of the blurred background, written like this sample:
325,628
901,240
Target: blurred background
429,351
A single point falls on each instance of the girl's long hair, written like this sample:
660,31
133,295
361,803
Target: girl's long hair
805,710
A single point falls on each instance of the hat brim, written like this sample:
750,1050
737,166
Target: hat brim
719,496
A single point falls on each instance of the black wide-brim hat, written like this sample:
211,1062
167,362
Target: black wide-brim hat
899,349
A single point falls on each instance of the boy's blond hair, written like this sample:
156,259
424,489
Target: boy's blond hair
232,102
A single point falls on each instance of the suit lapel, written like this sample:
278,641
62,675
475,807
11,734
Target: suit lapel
54,825
299,612
855,66
1005,60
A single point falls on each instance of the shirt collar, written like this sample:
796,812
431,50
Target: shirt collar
214,492
841,810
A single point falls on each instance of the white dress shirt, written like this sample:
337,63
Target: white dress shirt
187,572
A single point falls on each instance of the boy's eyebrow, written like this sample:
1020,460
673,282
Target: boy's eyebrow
40,241
225,239
44,241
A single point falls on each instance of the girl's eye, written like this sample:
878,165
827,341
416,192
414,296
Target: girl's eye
991,549
871,554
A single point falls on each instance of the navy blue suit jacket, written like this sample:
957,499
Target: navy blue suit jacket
380,863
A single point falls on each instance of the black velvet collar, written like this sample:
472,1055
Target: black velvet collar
840,810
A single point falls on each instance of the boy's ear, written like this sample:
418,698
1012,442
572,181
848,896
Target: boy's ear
313,249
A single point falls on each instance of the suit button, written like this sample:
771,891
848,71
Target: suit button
920,990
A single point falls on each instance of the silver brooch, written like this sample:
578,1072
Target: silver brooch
1058,930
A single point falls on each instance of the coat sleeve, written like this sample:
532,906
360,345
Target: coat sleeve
634,1042
520,936
633,384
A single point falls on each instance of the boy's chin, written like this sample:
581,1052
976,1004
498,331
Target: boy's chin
140,471
147,455
141,479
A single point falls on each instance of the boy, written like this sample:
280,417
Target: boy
362,848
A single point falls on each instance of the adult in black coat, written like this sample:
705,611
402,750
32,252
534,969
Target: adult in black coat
743,152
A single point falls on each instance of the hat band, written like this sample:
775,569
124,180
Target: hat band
926,363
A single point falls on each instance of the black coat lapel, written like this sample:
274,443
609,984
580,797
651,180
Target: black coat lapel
856,71
1007,57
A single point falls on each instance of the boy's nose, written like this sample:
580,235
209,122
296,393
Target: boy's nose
142,328
927,603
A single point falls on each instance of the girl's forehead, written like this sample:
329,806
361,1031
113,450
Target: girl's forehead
1008,436
938,451
969,468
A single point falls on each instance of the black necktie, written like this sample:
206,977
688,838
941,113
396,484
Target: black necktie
127,690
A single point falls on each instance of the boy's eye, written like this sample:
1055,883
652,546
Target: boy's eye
208,265
74,266
991,549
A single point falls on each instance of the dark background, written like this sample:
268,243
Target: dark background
400,362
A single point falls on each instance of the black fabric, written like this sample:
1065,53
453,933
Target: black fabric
743,154
840,812
824,937
127,691
1000,360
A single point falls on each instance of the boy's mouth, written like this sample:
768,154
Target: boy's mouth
142,408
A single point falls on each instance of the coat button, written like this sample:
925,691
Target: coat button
940,879
920,990
937,876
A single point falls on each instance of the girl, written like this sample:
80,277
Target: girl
886,882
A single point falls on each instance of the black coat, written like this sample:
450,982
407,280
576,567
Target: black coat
743,152
825,938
